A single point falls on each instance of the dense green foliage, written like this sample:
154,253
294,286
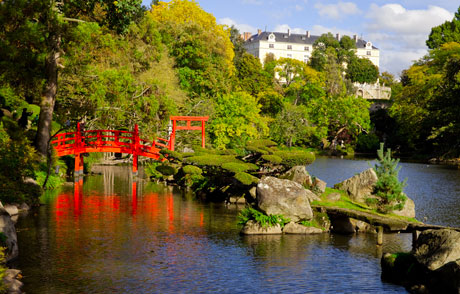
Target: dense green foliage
264,220
388,189
447,32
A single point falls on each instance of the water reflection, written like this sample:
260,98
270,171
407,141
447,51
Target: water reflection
111,234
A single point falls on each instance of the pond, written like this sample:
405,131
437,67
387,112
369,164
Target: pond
111,234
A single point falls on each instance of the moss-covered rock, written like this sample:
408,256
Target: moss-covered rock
246,179
192,170
273,159
237,167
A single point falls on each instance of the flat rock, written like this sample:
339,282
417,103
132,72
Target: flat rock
436,248
11,281
254,228
359,186
283,197
294,228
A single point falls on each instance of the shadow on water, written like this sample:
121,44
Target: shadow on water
114,235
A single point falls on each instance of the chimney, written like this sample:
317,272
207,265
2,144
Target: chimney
308,34
355,37
289,32
337,36
245,36
259,31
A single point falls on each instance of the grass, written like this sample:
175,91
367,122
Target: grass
347,203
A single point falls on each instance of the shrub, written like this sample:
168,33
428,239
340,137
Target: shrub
174,155
151,170
388,189
294,158
53,181
210,160
273,159
264,220
246,179
237,167
166,170
3,268
192,170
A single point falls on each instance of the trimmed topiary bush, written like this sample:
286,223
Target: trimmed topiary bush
246,179
171,154
294,158
273,159
192,170
237,167
210,160
166,170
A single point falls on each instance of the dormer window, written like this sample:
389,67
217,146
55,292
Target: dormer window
303,38
271,38
368,45
285,36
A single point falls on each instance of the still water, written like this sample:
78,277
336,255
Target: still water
112,235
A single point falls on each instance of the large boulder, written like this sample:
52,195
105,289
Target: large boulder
294,228
254,228
435,248
8,229
284,197
360,186
298,174
408,209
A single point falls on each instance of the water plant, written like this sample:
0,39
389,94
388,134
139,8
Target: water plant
264,220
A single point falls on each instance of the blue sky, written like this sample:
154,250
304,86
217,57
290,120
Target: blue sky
398,28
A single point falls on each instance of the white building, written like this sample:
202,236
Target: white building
298,46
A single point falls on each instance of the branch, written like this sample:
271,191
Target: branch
142,93
73,19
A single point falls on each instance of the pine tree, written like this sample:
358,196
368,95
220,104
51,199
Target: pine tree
388,188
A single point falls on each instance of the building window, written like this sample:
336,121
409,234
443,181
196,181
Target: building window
369,53
289,55
305,60
271,45
306,48
289,47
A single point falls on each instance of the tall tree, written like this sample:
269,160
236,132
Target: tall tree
449,31
44,25
362,70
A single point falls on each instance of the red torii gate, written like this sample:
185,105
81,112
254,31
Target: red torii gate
81,142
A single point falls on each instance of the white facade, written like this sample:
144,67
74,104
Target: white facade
299,47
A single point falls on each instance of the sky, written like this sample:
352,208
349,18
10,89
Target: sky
398,28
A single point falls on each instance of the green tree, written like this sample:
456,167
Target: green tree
35,32
250,76
449,31
388,189
362,70
237,119
291,125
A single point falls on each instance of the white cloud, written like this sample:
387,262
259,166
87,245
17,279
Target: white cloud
337,11
241,27
400,33
395,18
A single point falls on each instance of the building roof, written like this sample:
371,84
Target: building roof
296,38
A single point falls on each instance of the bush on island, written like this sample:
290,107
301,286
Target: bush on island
246,179
273,159
237,167
192,170
294,158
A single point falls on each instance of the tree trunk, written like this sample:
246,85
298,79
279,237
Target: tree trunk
49,95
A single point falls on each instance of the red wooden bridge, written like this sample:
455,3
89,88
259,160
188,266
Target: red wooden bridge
82,141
